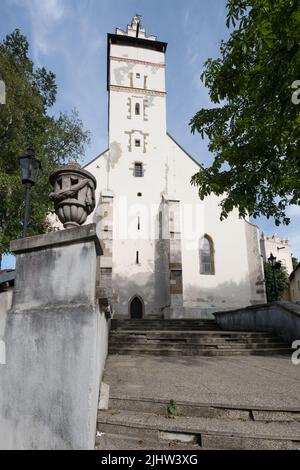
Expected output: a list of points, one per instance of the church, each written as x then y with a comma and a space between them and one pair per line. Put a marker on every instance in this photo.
166, 252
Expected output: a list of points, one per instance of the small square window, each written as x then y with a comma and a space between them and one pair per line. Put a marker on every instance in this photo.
137, 142
138, 75
138, 170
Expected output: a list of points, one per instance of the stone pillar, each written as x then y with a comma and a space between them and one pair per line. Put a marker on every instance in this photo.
56, 344
175, 309
106, 234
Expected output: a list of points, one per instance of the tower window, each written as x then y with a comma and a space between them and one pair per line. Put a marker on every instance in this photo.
137, 108
139, 224
137, 258
138, 169
137, 142
207, 265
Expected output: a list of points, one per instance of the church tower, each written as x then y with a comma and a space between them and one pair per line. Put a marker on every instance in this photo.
136, 165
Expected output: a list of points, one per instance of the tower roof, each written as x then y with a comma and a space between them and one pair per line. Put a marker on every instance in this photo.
135, 36
135, 30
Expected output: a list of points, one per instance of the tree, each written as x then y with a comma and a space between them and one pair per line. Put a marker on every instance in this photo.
281, 280
24, 122
295, 262
254, 131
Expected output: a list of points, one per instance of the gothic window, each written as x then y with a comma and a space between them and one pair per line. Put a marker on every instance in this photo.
207, 265
137, 109
138, 169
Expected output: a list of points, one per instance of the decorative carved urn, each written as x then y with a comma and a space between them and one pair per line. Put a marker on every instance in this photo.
73, 195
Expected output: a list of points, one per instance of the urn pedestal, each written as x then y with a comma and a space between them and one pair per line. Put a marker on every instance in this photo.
73, 195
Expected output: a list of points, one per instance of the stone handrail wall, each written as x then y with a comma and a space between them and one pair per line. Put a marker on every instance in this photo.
281, 318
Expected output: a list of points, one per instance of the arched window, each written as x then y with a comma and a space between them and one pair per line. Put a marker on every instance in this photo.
206, 252
137, 108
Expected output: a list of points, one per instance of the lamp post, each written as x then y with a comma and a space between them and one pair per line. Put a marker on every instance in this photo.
30, 167
272, 261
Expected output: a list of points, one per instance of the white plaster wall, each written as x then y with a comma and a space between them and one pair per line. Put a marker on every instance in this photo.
230, 284
168, 170
279, 248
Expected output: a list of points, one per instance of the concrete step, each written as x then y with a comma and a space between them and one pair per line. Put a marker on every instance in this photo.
204, 410
164, 324
183, 346
193, 333
166, 341
108, 441
143, 350
212, 433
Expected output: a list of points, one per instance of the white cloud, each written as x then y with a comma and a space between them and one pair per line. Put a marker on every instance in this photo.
44, 16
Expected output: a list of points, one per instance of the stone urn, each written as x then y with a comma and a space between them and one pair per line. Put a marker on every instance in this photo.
73, 195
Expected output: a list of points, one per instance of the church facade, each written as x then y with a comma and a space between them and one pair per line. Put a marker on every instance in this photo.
166, 252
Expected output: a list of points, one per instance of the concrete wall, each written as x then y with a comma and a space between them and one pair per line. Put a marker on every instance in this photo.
295, 285
5, 305
281, 318
56, 344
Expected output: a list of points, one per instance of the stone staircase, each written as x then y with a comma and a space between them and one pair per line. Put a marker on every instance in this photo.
189, 337
150, 362
135, 423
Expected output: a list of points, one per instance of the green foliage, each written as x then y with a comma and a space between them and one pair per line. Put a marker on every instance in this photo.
295, 262
254, 131
172, 409
281, 279
24, 121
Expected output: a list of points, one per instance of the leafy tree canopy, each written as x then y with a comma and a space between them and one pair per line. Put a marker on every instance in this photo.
275, 292
24, 122
254, 129
295, 262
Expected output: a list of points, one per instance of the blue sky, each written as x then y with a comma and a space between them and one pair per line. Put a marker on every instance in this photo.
68, 37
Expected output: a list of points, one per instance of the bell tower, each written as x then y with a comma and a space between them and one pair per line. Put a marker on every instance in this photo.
137, 96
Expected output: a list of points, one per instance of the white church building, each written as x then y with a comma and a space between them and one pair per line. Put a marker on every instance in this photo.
166, 252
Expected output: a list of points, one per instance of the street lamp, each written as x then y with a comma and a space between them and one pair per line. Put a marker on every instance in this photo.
275, 265
30, 167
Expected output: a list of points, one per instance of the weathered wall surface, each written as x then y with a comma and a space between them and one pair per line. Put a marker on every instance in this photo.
295, 285
281, 318
56, 344
278, 247
137, 82
255, 264
5, 305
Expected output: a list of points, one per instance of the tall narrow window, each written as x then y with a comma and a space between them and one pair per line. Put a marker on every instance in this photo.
207, 265
138, 169
137, 259
139, 223
137, 108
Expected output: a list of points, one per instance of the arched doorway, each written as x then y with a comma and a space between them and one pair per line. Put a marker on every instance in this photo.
136, 308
